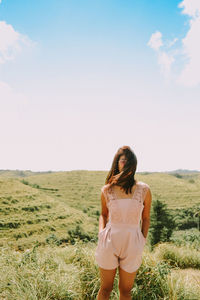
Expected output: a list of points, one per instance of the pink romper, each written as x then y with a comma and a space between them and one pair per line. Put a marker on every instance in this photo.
121, 242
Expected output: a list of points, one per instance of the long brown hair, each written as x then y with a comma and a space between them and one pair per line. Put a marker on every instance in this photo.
126, 178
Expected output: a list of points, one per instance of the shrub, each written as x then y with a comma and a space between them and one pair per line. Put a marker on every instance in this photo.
162, 223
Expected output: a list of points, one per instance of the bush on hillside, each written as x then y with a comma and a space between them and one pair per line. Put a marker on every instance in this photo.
187, 237
184, 217
162, 223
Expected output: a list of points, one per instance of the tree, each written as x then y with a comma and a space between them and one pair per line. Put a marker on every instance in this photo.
162, 223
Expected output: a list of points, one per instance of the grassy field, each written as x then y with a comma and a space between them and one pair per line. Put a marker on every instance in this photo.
43, 214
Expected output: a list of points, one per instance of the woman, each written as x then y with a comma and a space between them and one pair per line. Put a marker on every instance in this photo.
125, 202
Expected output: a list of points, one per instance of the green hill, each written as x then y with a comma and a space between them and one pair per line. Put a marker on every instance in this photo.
19, 173
29, 214
43, 215
49, 206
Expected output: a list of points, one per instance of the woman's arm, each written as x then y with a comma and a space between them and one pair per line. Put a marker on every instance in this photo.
104, 213
146, 213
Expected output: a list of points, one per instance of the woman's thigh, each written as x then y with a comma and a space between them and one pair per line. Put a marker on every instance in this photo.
126, 280
107, 278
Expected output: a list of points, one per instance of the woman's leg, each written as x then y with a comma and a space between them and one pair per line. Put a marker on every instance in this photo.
107, 279
126, 281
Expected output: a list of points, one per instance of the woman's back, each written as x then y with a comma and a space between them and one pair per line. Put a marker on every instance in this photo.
122, 239
125, 208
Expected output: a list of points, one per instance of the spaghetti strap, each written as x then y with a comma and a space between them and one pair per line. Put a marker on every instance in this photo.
135, 191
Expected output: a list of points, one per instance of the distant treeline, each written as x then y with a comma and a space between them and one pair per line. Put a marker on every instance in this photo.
37, 186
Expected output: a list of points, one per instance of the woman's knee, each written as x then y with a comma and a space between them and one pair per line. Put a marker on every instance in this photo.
125, 291
106, 290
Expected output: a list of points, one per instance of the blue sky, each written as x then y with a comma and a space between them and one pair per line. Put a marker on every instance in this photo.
79, 79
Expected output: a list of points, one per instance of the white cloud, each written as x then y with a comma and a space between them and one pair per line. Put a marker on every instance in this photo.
11, 42
155, 41
191, 8
165, 59
190, 47
190, 75
171, 43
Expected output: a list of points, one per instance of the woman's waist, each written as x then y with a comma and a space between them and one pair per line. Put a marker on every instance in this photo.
122, 224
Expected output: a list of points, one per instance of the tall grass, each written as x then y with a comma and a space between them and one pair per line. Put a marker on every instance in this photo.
68, 273
184, 284
37, 275
178, 256
55, 211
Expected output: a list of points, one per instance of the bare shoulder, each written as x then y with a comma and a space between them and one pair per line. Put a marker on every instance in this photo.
104, 200
144, 185
147, 200
104, 189
146, 191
